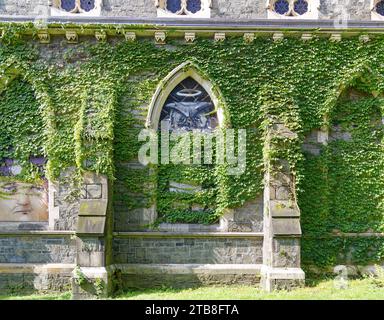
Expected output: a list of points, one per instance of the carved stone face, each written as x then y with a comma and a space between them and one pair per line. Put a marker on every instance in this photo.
23, 202
189, 107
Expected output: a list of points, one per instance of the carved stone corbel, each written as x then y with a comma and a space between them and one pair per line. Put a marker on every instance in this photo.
160, 37
219, 37
44, 37
190, 37
130, 36
71, 36
249, 37
101, 35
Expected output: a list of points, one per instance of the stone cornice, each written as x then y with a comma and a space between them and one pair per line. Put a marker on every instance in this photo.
196, 28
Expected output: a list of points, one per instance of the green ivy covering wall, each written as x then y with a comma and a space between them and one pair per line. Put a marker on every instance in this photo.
88, 95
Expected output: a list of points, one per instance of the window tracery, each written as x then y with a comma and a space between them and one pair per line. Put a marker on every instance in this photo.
82, 7
183, 8
300, 9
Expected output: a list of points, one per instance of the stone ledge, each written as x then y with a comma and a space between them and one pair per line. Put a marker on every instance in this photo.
54, 268
188, 235
28, 233
183, 227
253, 269
283, 273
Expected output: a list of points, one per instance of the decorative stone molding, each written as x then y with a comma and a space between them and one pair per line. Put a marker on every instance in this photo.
101, 35
249, 37
59, 9
160, 37
278, 36
44, 37
130, 36
335, 37
219, 37
293, 9
190, 37
185, 9
72, 36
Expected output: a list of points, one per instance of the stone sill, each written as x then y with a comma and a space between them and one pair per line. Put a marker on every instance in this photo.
215, 269
47, 233
6, 268
328, 24
184, 227
189, 235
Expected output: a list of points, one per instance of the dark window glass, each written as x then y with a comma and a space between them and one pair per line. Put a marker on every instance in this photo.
281, 6
87, 5
173, 5
194, 5
68, 5
300, 7
189, 107
380, 8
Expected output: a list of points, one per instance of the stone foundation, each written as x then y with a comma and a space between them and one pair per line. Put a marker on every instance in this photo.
138, 276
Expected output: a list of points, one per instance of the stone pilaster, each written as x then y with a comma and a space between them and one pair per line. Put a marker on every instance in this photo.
282, 230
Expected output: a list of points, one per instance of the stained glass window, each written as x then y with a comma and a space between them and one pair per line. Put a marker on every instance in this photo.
380, 8
194, 5
281, 6
174, 5
189, 107
300, 7
87, 5
68, 5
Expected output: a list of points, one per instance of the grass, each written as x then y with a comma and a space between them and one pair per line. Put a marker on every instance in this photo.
61, 296
362, 289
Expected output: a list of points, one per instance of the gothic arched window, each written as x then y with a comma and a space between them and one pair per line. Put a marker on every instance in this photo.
189, 107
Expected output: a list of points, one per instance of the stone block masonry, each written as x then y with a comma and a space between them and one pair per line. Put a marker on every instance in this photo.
33, 249
187, 251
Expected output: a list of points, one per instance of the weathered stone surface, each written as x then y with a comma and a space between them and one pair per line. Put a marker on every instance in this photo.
286, 227
90, 252
94, 191
34, 249
184, 251
132, 276
91, 225
286, 253
248, 218
283, 208
93, 207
